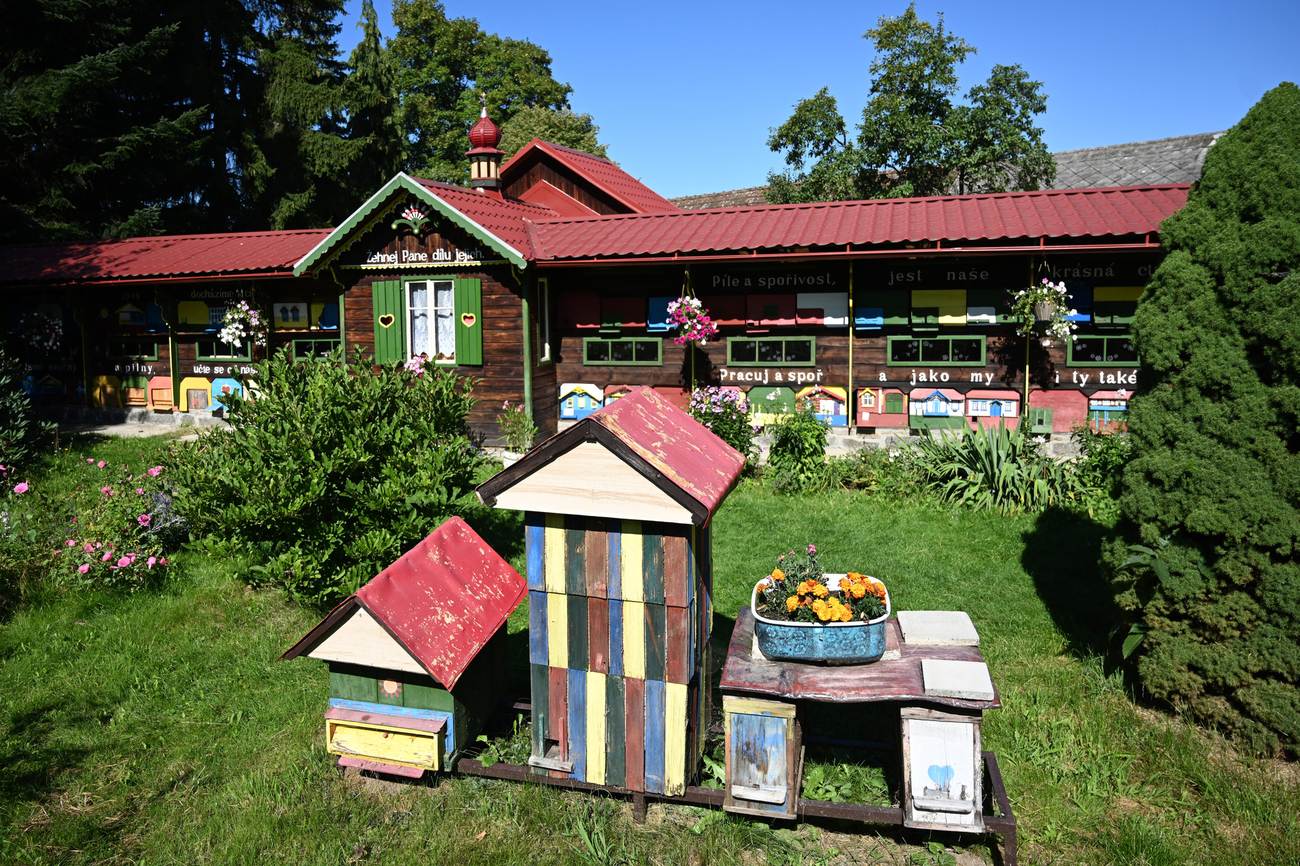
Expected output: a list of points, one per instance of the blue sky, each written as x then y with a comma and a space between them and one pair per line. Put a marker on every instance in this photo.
686, 92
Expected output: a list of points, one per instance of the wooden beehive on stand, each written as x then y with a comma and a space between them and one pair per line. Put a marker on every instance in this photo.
416, 655
618, 509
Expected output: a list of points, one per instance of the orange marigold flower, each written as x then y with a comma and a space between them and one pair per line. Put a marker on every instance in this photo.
846, 615
820, 590
858, 590
778, 574
854, 576
791, 603
822, 610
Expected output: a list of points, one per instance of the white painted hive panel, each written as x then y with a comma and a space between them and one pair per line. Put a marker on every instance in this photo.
945, 678
938, 628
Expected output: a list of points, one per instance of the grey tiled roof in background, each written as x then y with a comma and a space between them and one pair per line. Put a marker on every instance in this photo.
1140, 163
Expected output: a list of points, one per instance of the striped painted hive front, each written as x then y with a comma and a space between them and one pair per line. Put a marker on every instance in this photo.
619, 622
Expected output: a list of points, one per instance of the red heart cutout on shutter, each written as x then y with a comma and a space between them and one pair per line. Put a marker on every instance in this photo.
386, 320
468, 319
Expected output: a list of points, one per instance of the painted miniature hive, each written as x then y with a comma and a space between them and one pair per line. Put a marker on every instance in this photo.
415, 655
617, 512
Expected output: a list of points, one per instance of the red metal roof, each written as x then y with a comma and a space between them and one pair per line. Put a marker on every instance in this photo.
445, 598
501, 217
601, 172
1068, 213
235, 253
688, 454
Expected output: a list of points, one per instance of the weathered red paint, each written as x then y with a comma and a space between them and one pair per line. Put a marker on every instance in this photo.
685, 451
445, 598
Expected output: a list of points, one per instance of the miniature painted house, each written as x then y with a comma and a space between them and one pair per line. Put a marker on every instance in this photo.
881, 408
933, 408
620, 576
993, 408
1108, 411
415, 656
577, 400
829, 404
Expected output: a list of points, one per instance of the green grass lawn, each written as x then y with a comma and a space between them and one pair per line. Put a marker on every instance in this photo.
159, 728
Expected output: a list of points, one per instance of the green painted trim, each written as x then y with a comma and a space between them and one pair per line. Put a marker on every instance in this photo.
658, 341
173, 363
343, 324
247, 356
811, 362
404, 182
921, 362
1069, 351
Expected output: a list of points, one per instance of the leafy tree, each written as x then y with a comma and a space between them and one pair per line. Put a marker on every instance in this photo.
442, 65
558, 126
913, 139
86, 109
371, 100
1207, 566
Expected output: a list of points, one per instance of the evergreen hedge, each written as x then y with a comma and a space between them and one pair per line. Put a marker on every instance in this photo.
1207, 562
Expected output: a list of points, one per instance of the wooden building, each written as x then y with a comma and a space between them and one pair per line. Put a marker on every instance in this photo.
548, 280
416, 655
620, 578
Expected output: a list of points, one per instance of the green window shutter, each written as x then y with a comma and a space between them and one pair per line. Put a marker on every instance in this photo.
390, 321
469, 321
893, 404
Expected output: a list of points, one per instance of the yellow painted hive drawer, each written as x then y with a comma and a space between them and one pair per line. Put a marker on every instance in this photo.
384, 743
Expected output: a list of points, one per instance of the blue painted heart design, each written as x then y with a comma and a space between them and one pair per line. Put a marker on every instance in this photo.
941, 776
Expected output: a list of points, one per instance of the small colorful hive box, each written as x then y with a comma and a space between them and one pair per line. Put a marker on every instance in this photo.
617, 512
416, 655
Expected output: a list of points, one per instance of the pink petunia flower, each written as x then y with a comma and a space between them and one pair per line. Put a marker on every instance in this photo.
151, 561
162, 561
106, 490
21, 487
812, 550
124, 562
155, 471
90, 460
83, 568
139, 491
101, 464
88, 547
71, 542
106, 557
144, 519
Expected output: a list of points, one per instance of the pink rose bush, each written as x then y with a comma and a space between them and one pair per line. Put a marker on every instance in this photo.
92, 534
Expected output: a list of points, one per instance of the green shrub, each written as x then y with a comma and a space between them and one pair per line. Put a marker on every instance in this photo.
517, 427
1100, 469
873, 470
797, 459
992, 468
331, 471
726, 413
87, 522
21, 433
1213, 489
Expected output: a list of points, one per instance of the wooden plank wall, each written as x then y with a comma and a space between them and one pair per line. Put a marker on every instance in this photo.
614, 615
542, 168
500, 378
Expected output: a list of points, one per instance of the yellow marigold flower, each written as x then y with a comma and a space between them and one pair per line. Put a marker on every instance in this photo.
820, 590
846, 615
791, 603
822, 610
778, 574
854, 576
857, 590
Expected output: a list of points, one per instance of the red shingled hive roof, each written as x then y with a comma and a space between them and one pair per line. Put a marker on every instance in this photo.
502, 217
442, 600
686, 452
998, 216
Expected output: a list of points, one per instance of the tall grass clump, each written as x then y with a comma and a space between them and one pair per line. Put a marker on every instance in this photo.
992, 468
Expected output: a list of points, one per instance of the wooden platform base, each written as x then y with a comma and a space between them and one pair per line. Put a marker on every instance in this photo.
999, 821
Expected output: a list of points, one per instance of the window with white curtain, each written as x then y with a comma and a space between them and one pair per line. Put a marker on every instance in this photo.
431, 318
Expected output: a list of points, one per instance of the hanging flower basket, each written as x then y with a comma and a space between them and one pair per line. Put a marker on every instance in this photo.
693, 322
807, 616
